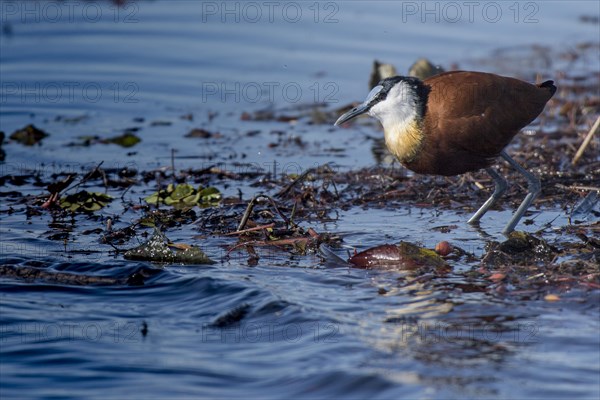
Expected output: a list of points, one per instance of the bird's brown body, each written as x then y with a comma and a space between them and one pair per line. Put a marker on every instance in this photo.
468, 119
457, 122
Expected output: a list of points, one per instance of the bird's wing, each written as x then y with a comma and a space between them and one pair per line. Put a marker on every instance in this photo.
480, 112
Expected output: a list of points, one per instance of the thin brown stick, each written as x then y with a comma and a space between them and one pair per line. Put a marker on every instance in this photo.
85, 178
173, 165
247, 213
256, 228
313, 234
586, 141
276, 243
282, 215
250, 207
293, 214
104, 180
299, 179
577, 188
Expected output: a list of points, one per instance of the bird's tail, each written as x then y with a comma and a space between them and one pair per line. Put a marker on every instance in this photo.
548, 85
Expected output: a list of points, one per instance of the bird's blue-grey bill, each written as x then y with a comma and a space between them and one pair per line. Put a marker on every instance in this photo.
355, 112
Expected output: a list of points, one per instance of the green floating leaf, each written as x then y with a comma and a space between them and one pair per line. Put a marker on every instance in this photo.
193, 255
185, 196
85, 201
127, 139
210, 194
157, 249
153, 198
182, 191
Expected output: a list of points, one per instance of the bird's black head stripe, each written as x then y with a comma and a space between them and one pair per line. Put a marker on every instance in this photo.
419, 88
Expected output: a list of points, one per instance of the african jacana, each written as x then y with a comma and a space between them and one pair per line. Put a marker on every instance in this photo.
457, 122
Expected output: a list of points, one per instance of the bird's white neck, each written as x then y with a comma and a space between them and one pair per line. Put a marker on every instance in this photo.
401, 120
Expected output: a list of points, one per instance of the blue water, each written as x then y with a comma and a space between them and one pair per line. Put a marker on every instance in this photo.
310, 329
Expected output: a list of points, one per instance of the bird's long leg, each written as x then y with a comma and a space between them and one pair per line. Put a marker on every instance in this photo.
534, 186
498, 191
